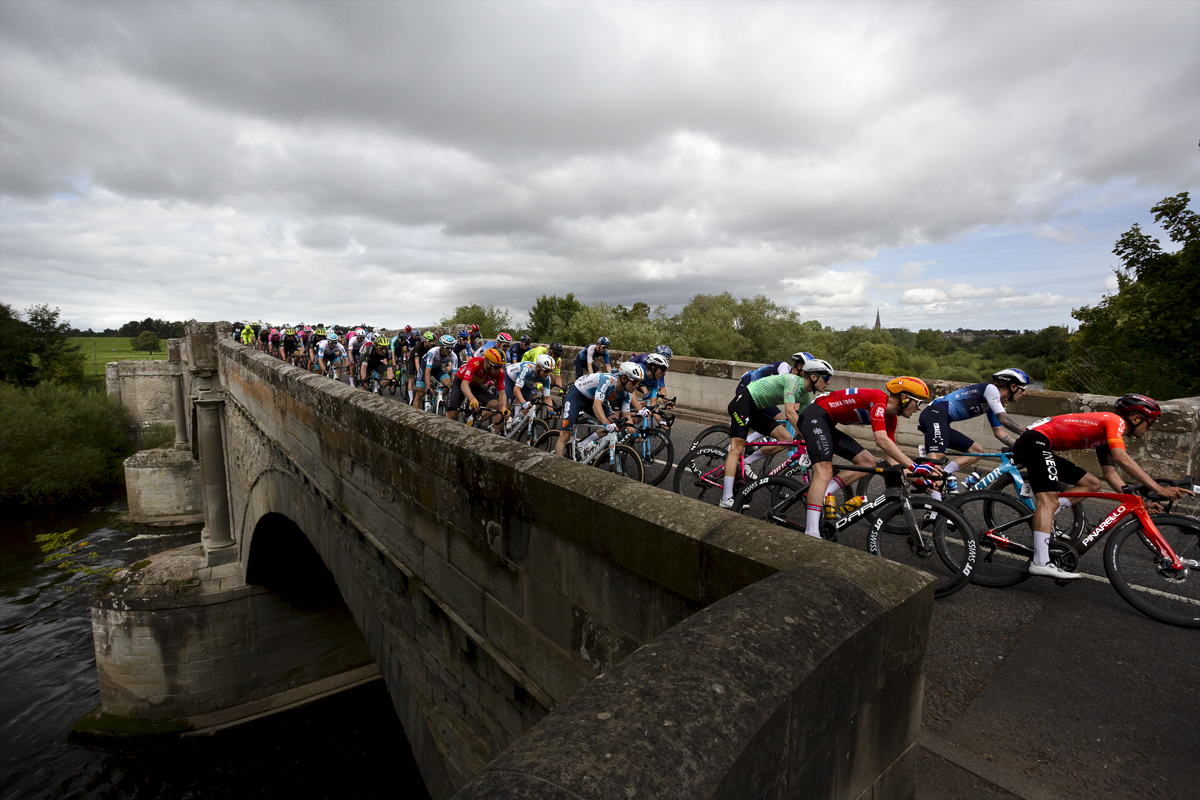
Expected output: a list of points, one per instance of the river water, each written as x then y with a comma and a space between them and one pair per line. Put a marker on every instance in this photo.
349, 746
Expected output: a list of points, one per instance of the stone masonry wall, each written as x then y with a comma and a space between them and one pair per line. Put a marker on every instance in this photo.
492, 582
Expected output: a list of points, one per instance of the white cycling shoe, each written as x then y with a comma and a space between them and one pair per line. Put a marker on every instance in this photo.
725, 503
1051, 571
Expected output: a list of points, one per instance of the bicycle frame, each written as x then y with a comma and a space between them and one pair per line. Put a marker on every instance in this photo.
1007, 467
716, 475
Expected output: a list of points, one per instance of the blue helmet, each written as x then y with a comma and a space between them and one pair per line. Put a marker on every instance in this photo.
416, 333
604, 341
1011, 375
663, 351
463, 334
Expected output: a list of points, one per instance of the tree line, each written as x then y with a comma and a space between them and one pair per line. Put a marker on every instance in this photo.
161, 328
1142, 338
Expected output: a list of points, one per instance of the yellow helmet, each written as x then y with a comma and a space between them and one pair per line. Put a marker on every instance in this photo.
913, 387
493, 355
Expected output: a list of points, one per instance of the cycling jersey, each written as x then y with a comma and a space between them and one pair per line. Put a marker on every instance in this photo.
290, 342
860, 407
473, 371
776, 389
649, 385
605, 385
515, 352
1083, 431
439, 364
525, 372
775, 368
375, 356
972, 401
533, 353
586, 356
330, 352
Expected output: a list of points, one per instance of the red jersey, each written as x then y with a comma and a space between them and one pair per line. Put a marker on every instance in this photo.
860, 407
1083, 431
473, 371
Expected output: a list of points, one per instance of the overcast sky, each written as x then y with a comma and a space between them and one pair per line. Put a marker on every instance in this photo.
950, 164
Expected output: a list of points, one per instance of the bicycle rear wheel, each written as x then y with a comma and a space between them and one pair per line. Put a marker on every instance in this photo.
777, 500
1004, 559
701, 475
547, 442
627, 464
712, 436
938, 541
1146, 580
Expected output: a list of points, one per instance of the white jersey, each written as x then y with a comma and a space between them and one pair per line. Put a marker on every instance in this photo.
328, 351
525, 372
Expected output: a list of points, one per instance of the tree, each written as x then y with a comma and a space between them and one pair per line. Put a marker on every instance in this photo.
146, 341
58, 361
1143, 338
16, 349
551, 316
491, 320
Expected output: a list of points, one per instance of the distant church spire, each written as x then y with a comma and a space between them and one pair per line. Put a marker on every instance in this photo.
877, 319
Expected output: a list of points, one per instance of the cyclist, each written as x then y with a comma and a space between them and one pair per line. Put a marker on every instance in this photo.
603, 389
555, 351
264, 337
440, 364
655, 366
463, 348
425, 342
332, 352
314, 344
1133, 415
529, 376
585, 358
755, 406
480, 382
517, 350
248, 335
289, 343
375, 359
875, 407
971, 401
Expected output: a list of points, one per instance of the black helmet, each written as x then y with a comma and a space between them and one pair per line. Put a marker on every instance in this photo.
556, 348
525, 340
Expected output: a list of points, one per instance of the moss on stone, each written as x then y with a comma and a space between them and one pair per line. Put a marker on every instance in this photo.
98, 725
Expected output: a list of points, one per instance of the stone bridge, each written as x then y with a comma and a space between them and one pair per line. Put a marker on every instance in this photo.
543, 629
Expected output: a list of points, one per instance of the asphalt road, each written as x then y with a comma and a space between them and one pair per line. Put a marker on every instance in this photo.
1041, 691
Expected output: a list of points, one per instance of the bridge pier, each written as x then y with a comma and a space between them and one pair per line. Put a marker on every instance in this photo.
209, 402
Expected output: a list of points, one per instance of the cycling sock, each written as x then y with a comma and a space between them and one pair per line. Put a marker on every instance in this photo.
1041, 548
835, 485
950, 467
755, 456
727, 493
936, 495
812, 521
754, 437
590, 439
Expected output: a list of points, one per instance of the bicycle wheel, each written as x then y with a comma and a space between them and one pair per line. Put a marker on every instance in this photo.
713, 436
777, 500
532, 432
628, 464
657, 454
701, 475
1066, 523
940, 542
547, 442
1146, 580
1002, 560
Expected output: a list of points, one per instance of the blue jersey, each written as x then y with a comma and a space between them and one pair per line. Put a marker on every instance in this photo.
605, 385
649, 385
971, 401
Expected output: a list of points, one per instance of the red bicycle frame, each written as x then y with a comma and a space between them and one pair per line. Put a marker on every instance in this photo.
1128, 504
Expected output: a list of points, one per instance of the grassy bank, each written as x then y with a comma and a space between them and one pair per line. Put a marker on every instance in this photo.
99, 350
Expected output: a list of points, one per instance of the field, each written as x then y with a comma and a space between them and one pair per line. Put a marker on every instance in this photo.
111, 349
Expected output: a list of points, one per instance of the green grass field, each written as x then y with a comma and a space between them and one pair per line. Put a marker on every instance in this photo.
111, 349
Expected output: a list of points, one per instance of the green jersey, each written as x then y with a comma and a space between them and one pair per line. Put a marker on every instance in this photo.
775, 390
534, 352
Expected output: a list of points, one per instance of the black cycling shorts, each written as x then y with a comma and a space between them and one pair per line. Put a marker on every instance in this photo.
482, 394
744, 415
934, 422
822, 438
1046, 470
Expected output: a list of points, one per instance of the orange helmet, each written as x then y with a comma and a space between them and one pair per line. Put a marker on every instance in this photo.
913, 387
493, 355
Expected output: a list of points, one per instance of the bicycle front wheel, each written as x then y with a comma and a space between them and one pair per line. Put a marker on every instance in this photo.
778, 500
627, 463
1004, 527
701, 475
657, 454
1146, 580
712, 436
938, 540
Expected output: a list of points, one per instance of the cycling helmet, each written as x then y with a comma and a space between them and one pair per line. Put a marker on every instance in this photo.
493, 355
382, 340
289, 331
463, 334
319, 331
544, 362
603, 341
912, 387
1011, 375
333, 337
525, 340
664, 351
408, 328
360, 333
417, 333
817, 365
503, 337
556, 348
474, 329
655, 360
802, 357
428, 336
633, 371
1138, 404
446, 341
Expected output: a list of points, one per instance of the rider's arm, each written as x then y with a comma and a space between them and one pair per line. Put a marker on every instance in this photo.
891, 451
467, 393
792, 412
1126, 462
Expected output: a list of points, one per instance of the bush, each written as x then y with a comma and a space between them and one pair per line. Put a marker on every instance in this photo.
60, 443
157, 436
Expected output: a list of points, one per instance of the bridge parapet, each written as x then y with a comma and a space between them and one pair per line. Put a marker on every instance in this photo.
493, 582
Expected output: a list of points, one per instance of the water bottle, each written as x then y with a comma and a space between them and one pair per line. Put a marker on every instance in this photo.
971, 480
951, 484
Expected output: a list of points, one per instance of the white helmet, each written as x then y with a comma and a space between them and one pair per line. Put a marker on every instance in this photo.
818, 365
655, 360
633, 371
544, 361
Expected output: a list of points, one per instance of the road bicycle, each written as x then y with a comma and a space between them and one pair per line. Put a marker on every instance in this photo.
928, 535
652, 440
701, 473
524, 426
1151, 561
605, 452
